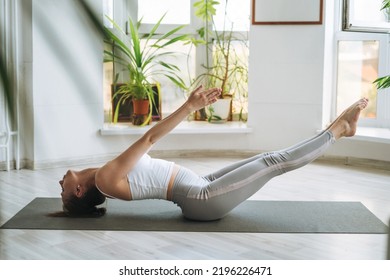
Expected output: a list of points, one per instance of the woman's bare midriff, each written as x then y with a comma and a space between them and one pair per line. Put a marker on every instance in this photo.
171, 181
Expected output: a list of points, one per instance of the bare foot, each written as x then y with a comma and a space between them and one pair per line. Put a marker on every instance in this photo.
345, 124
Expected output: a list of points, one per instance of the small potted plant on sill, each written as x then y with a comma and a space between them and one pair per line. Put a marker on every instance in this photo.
224, 66
143, 62
140, 94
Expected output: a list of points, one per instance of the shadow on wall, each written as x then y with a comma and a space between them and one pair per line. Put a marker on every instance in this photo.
7, 68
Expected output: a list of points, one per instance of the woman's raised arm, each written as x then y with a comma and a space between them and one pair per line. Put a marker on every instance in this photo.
113, 174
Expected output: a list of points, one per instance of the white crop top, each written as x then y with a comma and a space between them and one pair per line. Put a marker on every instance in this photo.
150, 177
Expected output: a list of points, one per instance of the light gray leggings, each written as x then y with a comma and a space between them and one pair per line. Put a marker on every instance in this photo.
213, 196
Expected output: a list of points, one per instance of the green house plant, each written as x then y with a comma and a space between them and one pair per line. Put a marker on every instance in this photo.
224, 67
382, 82
144, 60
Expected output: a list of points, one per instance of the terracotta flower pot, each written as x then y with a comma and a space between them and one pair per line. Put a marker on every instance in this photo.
141, 112
141, 106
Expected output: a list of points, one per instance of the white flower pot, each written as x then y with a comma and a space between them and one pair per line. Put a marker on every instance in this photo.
219, 111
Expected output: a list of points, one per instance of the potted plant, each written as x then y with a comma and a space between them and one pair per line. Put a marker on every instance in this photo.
143, 61
224, 66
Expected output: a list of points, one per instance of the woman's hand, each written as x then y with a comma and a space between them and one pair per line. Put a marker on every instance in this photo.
200, 98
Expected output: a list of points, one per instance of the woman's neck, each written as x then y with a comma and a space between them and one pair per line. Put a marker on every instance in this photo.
87, 176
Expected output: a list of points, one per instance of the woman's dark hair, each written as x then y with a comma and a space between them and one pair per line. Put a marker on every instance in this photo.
84, 206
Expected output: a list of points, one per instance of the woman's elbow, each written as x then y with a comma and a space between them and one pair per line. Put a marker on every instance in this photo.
149, 138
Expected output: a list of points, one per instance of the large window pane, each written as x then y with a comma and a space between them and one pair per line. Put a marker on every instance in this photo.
366, 15
172, 95
357, 69
367, 11
108, 79
238, 81
238, 15
108, 70
108, 11
178, 11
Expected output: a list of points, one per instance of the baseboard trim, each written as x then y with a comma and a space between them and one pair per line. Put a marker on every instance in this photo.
356, 162
48, 164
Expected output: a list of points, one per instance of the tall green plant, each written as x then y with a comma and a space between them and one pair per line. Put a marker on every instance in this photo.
143, 60
224, 67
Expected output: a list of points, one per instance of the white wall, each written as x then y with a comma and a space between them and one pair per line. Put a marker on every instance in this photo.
286, 93
286, 70
67, 82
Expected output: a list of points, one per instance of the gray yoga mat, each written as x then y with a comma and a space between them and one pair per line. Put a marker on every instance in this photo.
250, 216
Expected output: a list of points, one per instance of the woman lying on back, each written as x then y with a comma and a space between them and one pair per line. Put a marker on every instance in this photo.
134, 175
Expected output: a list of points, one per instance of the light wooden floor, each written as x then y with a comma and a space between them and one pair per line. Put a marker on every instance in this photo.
317, 181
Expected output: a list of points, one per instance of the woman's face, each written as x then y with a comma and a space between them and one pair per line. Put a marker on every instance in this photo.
69, 184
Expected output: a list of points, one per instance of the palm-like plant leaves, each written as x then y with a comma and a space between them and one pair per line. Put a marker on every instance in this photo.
141, 59
385, 4
383, 82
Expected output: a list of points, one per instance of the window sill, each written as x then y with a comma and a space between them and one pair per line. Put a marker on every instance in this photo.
185, 127
372, 134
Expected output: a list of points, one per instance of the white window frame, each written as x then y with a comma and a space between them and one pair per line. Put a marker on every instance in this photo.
382, 119
352, 24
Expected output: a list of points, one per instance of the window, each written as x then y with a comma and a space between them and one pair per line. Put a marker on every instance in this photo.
181, 12
189, 59
237, 20
365, 15
173, 97
362, 56
357, 68
108, 75
108, 8
177, 12
238, 15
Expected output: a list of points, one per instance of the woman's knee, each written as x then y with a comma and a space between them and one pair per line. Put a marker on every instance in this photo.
275, 158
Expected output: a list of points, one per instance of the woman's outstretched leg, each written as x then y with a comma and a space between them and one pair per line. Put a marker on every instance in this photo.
217, 174
229, 189
360, 105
